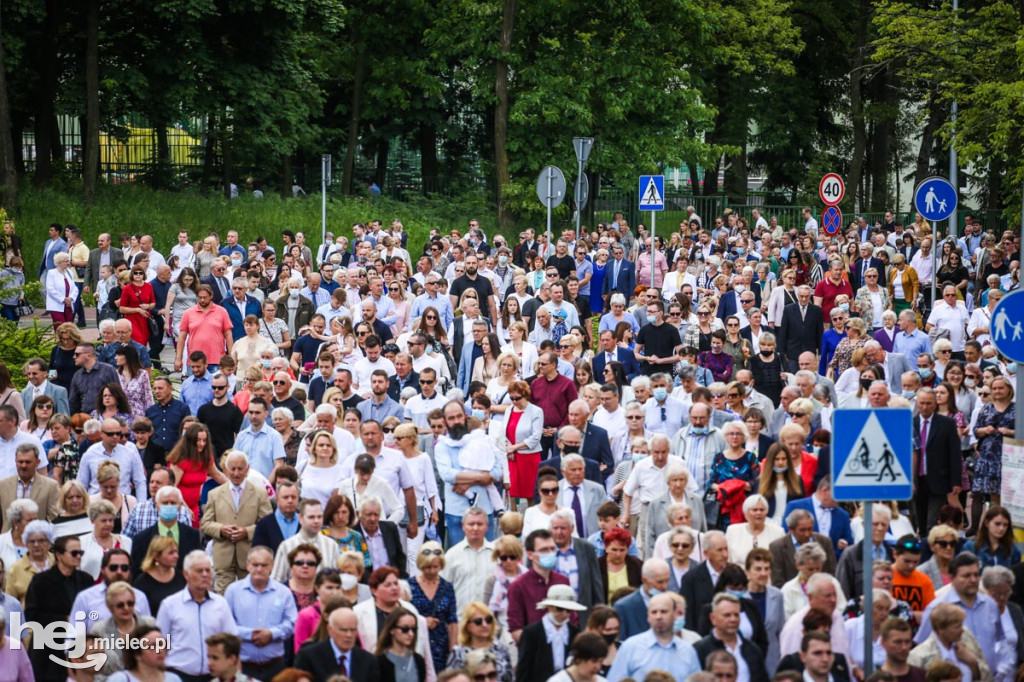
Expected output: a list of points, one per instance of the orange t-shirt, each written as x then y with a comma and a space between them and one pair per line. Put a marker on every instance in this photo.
915, 589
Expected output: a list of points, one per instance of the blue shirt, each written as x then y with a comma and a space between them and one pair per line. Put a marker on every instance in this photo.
188, 623
640, 654
272, 609
228, 250
982, 621
288, 528
167, 422
197, 391
442, 304
597, 540
370, 409
446, 457
263, 447
911, 345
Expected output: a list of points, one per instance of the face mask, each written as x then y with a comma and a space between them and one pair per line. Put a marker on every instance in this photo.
739, 594
637, 457
866, 384
389, 439
684, 363
330, 241
818, 245
235, 262
845, 307
739, 288
740, 251
168, 512
679, 624
780, 470
547, 561
348, 581
969, 382
266, 364
766, 353
293, 293
502, 259
908, 394
1011, 367
925, 373
610, 639
570, 449
699, 430
660, 394
479, 414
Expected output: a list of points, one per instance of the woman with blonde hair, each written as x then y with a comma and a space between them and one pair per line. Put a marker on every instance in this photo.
856, 337
525, 352
849, 381
108, 476
103, 538
124, 618
160, 577
508, 565
498, 387
478, 640
73, 516
319, 478
903, 284
434, 597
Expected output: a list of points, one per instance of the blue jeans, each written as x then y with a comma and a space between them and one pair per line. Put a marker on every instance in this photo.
9, 312
453, 529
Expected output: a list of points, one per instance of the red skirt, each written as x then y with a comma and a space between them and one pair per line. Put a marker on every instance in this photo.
522, 473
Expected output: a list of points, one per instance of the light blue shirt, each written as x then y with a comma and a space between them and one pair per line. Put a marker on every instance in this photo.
911, 345
132, 470
673, 420
442, 304
188, 623
640, 654
582, 270
264, 447
385, 309
982, 621
196, 392
288, 528
320, 298
446, 457
272, 609
371, 409
94, 601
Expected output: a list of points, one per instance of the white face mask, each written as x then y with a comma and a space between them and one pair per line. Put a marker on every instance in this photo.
348, 581
293, 293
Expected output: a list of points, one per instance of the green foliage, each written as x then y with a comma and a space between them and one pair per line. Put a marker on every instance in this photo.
18, 345
128, 208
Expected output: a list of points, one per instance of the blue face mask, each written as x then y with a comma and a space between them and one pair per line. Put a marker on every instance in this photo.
547, 561
679, 624
699, 430
925, 373
780, 470
1011, 367
740, 250
479, 414
739, 594
908, 394
637, 457
845, 307
265, 363
168, 512
660, 394
654, 592
818, 245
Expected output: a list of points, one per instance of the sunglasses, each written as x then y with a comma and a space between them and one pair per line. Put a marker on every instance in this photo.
946, 544
122, 604
796, 415
304, 562
280, 383
484, 677
405, 629
681, 545
124, 568
426, 382
508, 557
112, 435
431, 552
432, 317
548, 491
76, 553
388, 430
485, 620
219, 388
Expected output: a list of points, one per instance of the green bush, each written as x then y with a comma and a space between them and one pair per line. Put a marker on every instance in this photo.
133, 208
18, 345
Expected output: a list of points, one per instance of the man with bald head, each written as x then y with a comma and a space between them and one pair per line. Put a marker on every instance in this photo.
878, 395
123, 334
594, 443
111, 447
809, 361
339, 653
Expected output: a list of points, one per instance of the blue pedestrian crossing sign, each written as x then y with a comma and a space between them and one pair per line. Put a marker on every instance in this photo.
652, 192
872, 454
1008, 326
935, 199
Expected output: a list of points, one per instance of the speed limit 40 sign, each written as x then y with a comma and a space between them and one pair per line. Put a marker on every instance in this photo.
832, 189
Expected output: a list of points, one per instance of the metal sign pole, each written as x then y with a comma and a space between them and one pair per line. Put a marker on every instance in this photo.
1018, 421
652, 251
551, 177
935, 248
866, 558
579, 193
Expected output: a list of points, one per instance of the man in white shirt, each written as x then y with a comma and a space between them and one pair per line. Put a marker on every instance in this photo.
811, 225
468, 564
557, 305
155, 259
950, 314
364, 367
645, 483
922, 263
663, 413
418, 407
612, 418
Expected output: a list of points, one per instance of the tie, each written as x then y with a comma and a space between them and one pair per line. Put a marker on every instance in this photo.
923, 468
615, 274
611, 358
577, 509
803, 313
236, 493
220, 285
341, 665
864, 274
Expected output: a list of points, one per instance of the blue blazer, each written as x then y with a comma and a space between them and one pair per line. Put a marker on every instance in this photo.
623, 355
252, 307
58, 393
632, 615
58, 246
627, 278
728, 305
268, 533
840, 529
597, 447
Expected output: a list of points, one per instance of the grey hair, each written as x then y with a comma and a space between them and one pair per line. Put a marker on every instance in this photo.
878, 594
566, 514
235, 454
690, 371
641, 381
652, 566
673, 508
105, 325
817, 581
617, 299
286, 413
370, 499
573, 458
194, 557
166, 490
710, 537
994, 576
18, 509
752, 501
810, 551
674, 468
767, 336
37, 527
881, 510
566, 430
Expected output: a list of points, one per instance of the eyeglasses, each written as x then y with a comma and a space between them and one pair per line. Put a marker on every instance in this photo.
47, 406
112, 435
218, 388
634, 416
717, 395
796, 415
548, 491
405, 629
304, 562
432, 317
702, 313
733, 324
946, 350
431, 552
682, 545
551, 275
388, 430
515, 398
427, 382
280, 383
508, 557
485, 620
123, 435
733, 395
362, 333
565, 347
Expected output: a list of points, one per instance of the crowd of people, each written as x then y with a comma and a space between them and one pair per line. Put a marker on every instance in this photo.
603, 457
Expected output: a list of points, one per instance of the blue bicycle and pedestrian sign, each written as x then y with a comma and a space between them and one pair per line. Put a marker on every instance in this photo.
1008, 326
872, 454
935, 199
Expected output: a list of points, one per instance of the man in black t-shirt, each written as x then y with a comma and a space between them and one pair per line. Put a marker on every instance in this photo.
562, 261
283, 396
657, 344
343, 382
482, 286
221, 416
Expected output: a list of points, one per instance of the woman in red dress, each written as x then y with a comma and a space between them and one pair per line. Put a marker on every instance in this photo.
137, 300
523, 426
192, 461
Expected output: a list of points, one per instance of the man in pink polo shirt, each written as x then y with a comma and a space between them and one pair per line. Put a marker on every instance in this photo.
206, 327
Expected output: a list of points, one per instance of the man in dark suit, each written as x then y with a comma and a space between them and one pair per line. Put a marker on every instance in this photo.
866, 262
850, 570
568, 441
800, 329
539, 660
610, 352
620, 274
403, 377
376, 531
725, 625
270, 529
632, 610
219, 281
698, 585
729, 304
239, 306
801, 531
104, 253
586, 581
937, 463
827, 514
188, 537
594, 444
339, 655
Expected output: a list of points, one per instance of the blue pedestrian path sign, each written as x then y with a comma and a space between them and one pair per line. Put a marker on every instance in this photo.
935, 199
1008, 326
652, 192
872, 454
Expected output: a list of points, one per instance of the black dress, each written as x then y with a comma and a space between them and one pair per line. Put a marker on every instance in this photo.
768, 377
157, 591
63, 362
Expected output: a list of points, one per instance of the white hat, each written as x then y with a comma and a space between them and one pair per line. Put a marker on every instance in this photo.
562, 597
